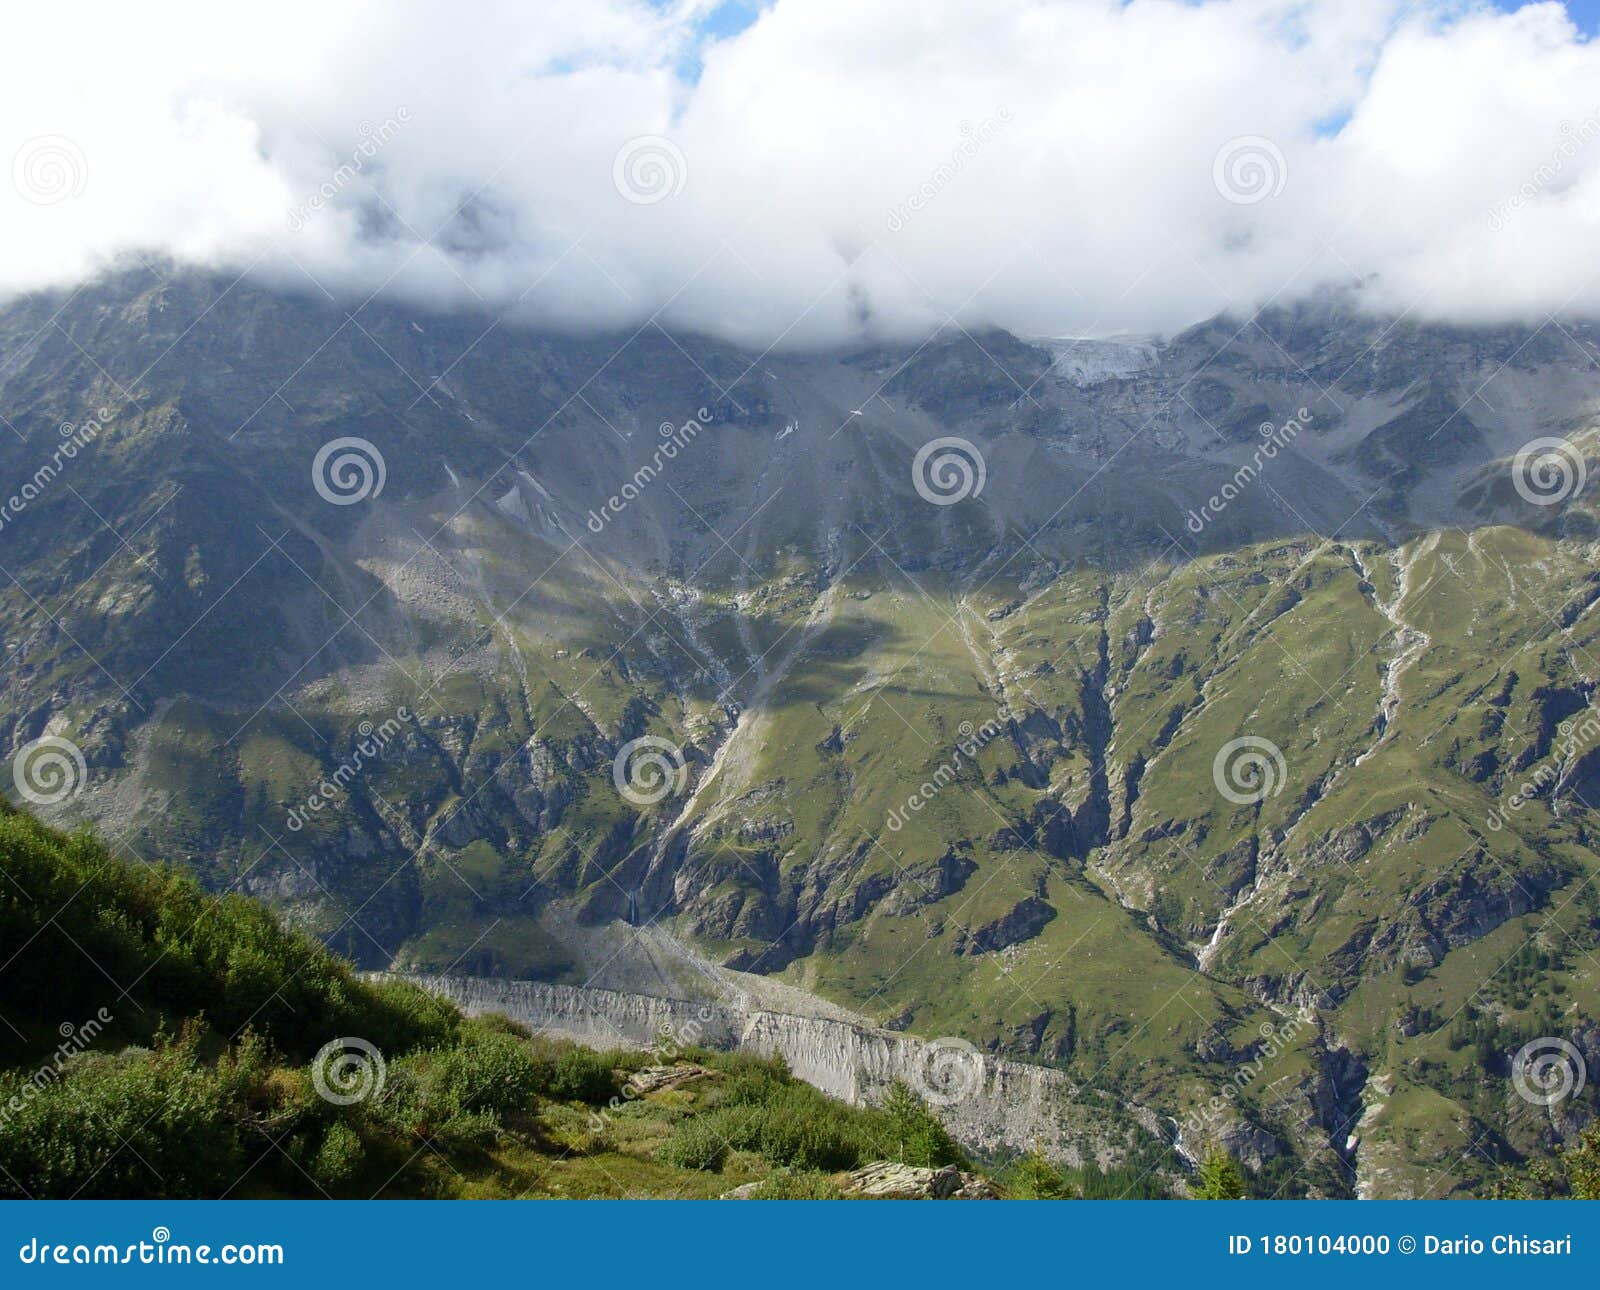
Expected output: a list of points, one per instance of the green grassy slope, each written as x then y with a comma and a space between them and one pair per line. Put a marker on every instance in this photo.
201, 1069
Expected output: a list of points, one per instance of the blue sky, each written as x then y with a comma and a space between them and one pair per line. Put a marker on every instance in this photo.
734, 16
1586, 13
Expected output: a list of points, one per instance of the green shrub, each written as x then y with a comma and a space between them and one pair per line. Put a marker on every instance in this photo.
460, 1093
1219, 1178
494, 1073
694, 1144
583, 1075
140, 1123
339, 1156
189, 952
1120, 1182
799, 1128
749, 1081
914, 1135
789, 1185
1033, 1177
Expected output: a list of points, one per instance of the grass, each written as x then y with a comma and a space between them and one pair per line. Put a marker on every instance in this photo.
1374, 861
212, 1074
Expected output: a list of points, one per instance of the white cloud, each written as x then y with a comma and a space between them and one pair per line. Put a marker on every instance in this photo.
849, 168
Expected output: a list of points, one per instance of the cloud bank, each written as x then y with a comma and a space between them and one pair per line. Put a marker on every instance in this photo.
833, 171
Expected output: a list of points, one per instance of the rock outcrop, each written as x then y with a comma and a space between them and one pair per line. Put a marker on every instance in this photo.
890, 1180
992, 1106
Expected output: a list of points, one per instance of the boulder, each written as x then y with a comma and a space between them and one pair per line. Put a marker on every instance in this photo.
889, 1180
655, 1079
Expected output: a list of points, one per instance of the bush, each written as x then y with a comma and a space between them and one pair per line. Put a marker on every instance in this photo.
914, 1135
459, 1093
799, 1128
494, 1073
189, 952
1219, 1178
339, 1156
1033, 1177
140, 1123
749, 1081
787, 1185
582, 1075
694, 1144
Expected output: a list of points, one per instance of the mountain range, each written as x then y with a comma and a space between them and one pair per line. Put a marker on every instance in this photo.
1207, 717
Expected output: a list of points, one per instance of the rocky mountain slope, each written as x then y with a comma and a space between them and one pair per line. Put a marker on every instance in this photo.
1208, 718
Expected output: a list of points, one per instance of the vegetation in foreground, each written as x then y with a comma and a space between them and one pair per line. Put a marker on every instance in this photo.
215, 1060
198, 1072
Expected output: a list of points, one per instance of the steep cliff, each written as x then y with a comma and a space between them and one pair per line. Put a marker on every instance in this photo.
994, 1106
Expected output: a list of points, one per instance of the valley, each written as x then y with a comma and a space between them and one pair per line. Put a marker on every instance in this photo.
1180, 815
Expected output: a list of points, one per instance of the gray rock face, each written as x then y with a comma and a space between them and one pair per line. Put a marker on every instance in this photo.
991, 1106
890, 1180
